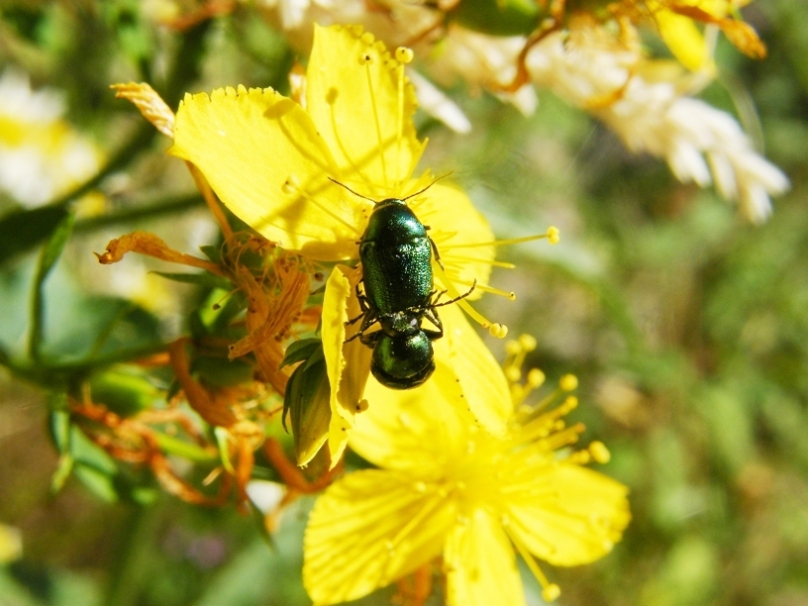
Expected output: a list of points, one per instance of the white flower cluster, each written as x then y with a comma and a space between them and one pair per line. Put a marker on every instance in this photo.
41, 156
700, 143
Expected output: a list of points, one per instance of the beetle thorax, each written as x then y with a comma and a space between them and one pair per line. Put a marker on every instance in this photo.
401, 323
393, 222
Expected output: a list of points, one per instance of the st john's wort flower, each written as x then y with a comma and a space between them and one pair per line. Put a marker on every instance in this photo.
445, 488
304, 173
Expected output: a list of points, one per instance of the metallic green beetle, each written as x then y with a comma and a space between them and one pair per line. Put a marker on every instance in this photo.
396, 254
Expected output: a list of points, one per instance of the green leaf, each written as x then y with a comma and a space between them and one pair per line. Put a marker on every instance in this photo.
60, 423
86, 452
47, 259
21, 231
222, 443
125, 391
214, 253
181, 448
97, 481
63, 470
222, 372
300, 350
499, 17
307, 401
216, 313
205, 279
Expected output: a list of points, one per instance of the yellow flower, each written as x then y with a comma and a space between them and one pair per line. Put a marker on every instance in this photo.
676, 20
10, 543
444, 487
285, 167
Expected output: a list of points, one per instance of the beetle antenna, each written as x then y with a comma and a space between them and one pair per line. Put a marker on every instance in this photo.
456, 299
352, 191
426, 188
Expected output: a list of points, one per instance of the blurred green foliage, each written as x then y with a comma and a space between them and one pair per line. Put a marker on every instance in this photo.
687, 327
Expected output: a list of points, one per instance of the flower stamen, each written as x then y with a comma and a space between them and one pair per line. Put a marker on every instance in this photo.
503, 264
499, 331
292, 185
511, 296
550, 591
600, 454
399, 116
552, 235
380, 140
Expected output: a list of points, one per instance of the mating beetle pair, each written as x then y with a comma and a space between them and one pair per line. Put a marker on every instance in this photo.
396, 254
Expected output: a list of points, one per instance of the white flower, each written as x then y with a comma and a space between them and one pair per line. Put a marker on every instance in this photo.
438, 105
293, 13
700, 143
484, 62
41, 156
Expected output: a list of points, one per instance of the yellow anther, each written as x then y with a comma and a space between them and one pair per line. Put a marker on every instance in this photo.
551, 592
582, 457
528, 342
535, 377
513, 373
362, 405
368, 38
568, 383
500, 331
599, 452
365, 58
553, 235
404, 55
513, 348
571, 403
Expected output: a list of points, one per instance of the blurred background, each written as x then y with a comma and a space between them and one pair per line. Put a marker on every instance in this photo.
687, 326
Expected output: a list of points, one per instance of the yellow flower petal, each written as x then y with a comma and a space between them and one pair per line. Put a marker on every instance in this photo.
369, 529
415, 429
683, 39
715, 12
362, 105
568, 515
473, 380
348, 364
10, 543
263, 157
456, 225
480, 564
468, 386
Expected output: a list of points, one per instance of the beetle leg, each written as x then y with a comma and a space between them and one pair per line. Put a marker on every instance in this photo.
432, 315
369, 318
370, 339
355, 320
456, 299
363, 305
435, 250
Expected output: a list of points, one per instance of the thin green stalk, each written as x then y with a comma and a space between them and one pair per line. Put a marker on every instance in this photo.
142, 137
165, 206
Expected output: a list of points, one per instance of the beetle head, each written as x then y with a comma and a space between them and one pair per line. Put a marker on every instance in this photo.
402, 361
